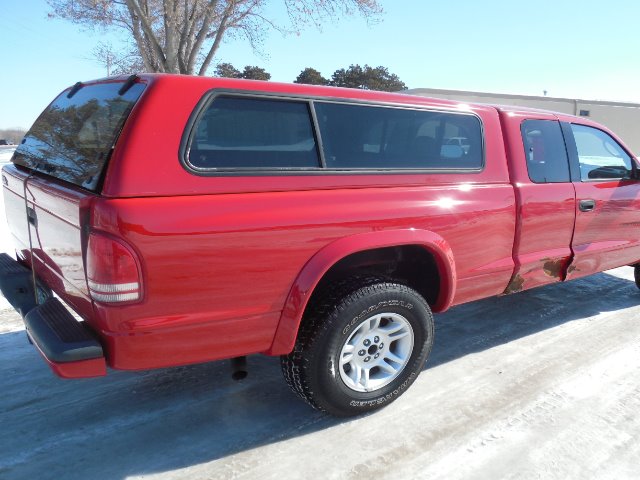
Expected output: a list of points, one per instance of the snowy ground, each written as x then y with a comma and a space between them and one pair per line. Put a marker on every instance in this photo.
541, 384
5, 153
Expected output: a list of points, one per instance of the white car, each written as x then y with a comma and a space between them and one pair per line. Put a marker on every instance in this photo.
462, 142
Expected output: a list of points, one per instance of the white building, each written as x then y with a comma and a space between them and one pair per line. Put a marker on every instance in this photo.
621, 117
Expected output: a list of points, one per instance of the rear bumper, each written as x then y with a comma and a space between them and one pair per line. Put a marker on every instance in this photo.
68, 346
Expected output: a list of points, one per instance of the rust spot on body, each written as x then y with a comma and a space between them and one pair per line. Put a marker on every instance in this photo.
515, 285
553, 268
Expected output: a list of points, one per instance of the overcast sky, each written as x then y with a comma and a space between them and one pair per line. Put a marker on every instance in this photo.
570, 48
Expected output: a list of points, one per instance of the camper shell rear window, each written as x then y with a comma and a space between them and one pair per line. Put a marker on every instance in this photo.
73, 138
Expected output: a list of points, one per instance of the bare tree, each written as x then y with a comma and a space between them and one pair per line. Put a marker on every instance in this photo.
117, 62
106, 56
183, 36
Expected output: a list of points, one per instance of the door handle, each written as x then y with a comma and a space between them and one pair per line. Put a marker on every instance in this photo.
32, 217
587, 205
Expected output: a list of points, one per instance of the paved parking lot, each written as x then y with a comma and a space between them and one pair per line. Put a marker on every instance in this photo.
541, 384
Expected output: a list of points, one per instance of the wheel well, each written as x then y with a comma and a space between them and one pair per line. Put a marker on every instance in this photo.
411, 265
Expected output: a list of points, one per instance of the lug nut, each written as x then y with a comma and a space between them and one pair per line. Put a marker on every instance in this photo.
381, 346
367, 342
376, 339
366, 359
361, 353
376, 355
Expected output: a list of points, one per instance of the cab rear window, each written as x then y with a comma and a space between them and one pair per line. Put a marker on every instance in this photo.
73, 138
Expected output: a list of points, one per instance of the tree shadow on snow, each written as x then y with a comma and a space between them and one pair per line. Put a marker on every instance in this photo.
132, 423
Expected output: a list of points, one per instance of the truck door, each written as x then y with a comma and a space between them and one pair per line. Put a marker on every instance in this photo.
540, 172
607, 232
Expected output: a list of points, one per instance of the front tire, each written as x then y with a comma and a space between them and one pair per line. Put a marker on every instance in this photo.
360, 347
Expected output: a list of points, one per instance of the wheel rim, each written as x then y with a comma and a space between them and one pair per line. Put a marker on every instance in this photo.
376, 352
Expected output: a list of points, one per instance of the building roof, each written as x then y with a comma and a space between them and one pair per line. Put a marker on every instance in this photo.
425, 92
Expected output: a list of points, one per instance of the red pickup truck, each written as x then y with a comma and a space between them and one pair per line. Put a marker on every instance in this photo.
188, 219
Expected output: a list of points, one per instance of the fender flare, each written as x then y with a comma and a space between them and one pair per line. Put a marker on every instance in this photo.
313, 271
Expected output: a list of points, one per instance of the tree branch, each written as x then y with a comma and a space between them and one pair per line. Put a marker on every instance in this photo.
135, 9
203, 32
222, 28
170, 39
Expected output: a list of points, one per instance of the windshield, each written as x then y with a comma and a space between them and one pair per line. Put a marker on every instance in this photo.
73, 138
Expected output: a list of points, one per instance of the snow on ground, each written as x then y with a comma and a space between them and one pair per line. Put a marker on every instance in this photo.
5, 153
540, 384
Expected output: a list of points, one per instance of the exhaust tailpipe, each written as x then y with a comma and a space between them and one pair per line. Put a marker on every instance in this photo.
239, 368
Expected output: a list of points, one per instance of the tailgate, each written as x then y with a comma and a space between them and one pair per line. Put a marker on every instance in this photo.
51, 221
56, 174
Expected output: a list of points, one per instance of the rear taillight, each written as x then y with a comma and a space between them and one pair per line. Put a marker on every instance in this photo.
112, 271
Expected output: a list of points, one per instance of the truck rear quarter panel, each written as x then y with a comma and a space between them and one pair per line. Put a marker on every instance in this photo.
220, 254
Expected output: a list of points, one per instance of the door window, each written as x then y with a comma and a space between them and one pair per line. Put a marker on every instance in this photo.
600, 156
545, 151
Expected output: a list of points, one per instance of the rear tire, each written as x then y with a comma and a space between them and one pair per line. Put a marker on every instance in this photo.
360, 347
636, 275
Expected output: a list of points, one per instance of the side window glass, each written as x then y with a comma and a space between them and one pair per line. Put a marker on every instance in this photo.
242, 132
545, 151
372, 137
601, 157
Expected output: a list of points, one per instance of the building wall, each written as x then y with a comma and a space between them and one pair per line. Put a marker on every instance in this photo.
622, 118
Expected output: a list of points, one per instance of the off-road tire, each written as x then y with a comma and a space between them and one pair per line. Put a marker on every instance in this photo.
312, 368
